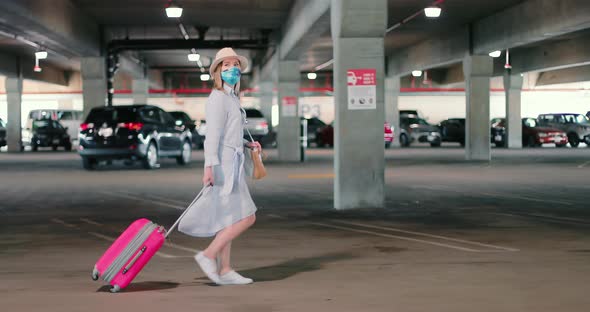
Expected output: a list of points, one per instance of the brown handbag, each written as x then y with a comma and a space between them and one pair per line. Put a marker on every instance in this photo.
258, 170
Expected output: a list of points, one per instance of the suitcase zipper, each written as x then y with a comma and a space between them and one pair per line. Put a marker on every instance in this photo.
128, 251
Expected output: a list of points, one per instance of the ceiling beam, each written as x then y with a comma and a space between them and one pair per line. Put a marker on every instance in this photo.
116, 46
529, 22
429, 54
22, 66
56, 24
568, 75
307, 21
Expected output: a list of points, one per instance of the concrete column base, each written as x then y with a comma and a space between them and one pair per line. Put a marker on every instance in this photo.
477, 69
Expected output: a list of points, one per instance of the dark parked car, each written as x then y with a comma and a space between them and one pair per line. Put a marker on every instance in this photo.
2, 133
418, 130
453, 130
325, 135
533, 135
182, 119
132, 132
47, 133
313, 125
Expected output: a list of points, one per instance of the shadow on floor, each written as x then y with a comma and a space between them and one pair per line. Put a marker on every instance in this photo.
292, 267
142, 286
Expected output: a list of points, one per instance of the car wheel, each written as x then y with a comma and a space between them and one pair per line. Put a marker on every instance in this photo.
435, 144
34, 147
531, 142
573, 139
89, 163
185, 157
54, 147
319, 142
462, 142
68, 146
404, 141
151, 158
560, 145
387, 144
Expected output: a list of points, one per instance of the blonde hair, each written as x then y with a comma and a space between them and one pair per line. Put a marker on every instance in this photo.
218, 82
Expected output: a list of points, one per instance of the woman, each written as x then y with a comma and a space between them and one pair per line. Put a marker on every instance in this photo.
226, 209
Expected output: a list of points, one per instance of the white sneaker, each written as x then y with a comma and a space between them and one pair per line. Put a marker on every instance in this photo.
233, 278
208, 266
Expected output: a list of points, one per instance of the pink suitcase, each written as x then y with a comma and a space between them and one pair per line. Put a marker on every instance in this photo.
132, 250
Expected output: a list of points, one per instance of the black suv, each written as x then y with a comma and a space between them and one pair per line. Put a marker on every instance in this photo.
182, 119
132, 132
2, 133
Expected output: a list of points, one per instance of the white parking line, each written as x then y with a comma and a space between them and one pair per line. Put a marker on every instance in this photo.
427, 235
584, 164
396, 237
542, 217
90, 222
112, 239
62, 222
560, 202
159, 202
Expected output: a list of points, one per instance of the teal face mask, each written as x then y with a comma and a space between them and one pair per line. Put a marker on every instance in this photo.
231, 76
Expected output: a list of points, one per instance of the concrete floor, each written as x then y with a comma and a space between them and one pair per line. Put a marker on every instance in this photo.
510, 235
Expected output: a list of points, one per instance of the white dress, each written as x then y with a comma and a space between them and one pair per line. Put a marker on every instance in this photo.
228, 200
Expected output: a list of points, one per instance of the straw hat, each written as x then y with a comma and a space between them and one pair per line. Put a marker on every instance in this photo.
224, 54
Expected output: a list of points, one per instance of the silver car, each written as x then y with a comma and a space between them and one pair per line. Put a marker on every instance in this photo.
257, 124
577, 126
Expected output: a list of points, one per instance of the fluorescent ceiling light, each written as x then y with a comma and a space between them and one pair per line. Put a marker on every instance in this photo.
417, 73
194, 57
41, 55
205, 77
432, 11
495, 53
312, 76
173, 10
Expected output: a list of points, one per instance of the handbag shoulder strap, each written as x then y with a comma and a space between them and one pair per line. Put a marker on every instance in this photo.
246, 121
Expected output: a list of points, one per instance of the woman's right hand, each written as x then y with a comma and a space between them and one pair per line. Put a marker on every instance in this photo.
208, 176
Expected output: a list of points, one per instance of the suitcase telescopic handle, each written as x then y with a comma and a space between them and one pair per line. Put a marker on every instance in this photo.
132, 262
185, 212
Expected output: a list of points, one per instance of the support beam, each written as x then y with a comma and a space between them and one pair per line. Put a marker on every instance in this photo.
358, 29
307, 21
14, 90
392, 90
477, 69
288, 134
513, 87
94, 83
50, 73
140, 89
568, 75
266, 100
529, 22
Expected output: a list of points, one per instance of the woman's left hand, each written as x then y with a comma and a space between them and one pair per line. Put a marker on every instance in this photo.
254, 145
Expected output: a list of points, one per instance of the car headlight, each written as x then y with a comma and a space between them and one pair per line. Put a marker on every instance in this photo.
542, 134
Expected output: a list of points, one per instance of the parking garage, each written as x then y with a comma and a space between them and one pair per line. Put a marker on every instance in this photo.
478, 201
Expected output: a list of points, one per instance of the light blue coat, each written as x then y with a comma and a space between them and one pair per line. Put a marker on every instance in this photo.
229, 200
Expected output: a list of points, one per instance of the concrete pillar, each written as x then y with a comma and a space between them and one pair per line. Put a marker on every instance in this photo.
140, 89
358, 29
513, 89
266, 99
94, 83
288, 133
477, 69
14, 90
392, 90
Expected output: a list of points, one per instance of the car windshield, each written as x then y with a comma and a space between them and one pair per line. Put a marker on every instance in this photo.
181, 116
419, 121
40, 124
582, 119
253, 113
115, 114
530, 122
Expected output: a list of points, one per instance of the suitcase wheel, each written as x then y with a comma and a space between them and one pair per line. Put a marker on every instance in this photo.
115, 289
95, 274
